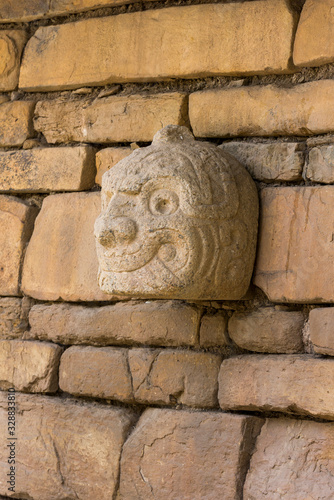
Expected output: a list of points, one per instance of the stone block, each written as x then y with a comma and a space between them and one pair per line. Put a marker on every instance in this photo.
16, 222
41, 170
29, 366
293, 459
161, 44
268, 330
100, 372
320, 165
13, 317
11, 46
175, 377
110, 119
16, 122
60, 261
64, 448
277, 161
213, 330
303, 110
289, 383
321, 330
164, 323
296, 244
188, 455
107, 158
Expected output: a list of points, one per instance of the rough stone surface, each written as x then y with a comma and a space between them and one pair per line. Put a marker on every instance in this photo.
13, 317
111, 119
41, 170
163, 323
278, 161
61, 257
296, 244
16, 122
178, 220
107, 158
303, 110
268, 330
321, 331
64, 449
11, 47
320, 165
16, 222
29, 366
293, 459
101, 372
175, 377
298, 384
311, 50
188, 455
162, 44
213, 331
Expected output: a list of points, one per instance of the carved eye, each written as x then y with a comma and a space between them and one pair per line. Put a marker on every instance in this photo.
163, 202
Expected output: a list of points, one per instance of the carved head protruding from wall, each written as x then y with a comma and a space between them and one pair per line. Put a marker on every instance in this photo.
179, 220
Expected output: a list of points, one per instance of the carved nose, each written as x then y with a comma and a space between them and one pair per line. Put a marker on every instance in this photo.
115, 231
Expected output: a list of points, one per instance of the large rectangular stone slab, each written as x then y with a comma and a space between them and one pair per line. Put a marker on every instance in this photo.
188, 455
13, 317
296, 252
11, 46
303, 110
16, 122
177, 42
321, 330
297, 384
61, 259
41, 170
64, 449
110, 119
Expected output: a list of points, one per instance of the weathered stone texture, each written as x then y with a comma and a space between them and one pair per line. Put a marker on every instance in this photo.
321, 331
164, 323
320, 165
111, 119
162, 44
29, 366
182, 454
61, 258
11, 46
170, 377
107, 158
16, 222
16, 122
278, 161
13, 317
293, 459
298, 384
268, 330
213, 331
41, 170
296, 244
306, 109
64, 449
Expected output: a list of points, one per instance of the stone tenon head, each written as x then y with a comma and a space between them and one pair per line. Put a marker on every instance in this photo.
179, 220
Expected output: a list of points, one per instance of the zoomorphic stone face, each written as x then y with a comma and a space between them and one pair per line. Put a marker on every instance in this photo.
179, 220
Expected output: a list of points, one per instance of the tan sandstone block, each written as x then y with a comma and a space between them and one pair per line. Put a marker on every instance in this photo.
61, 257
11, 46
321, 332
188, 455
107, 158
100, 372
16, 222
16, 122
268, 330
29, 366
41, 170
165, 323
175, 377
13, 317
65, 449
297, 384
320, 164
213, 331
110, 119
302, 110
293, 459
161, 44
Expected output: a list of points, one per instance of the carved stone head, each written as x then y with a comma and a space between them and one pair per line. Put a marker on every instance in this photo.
179, 220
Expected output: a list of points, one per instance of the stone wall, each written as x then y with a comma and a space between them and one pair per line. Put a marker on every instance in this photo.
122, 399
